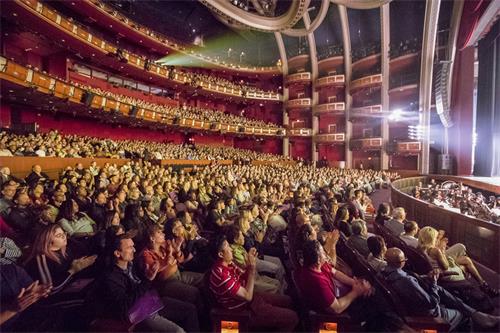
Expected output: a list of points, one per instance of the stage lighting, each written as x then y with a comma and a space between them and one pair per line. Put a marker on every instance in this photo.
395, 115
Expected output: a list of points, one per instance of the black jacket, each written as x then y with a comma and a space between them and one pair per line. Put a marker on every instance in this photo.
118, 290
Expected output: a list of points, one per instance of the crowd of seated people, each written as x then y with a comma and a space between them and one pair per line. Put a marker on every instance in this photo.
404, 47
97, 241
55, 144
185, 111
451, 260
461, 199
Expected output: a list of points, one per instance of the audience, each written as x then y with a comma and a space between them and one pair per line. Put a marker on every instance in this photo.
410, 231
233, 288
426, 298
358, 239
396, 224
184, 111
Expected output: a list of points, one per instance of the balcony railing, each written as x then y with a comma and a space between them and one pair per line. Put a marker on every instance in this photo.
332, 80
330, 138
329, 108
57, 88
298, 103
367, 110
303, 77
404, 147
367, 81
82, 35
300, 132
366, 143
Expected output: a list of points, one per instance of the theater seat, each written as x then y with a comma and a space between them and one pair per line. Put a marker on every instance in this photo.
224, 318
110, 325
314, 321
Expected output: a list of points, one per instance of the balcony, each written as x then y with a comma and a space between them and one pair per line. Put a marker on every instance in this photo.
405, 147
367, 111
366, 144
366, 82
304, 77
305, 132
329, 108
332, 80
299, 103
330, 138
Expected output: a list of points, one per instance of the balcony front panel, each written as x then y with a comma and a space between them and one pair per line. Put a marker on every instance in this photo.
330, 138
370, 110
304, 77
306, 132
299, 103
366, 82
332, 80
334, 108
366, 144
406, 147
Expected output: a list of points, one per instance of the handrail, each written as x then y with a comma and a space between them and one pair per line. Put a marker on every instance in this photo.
41, 10
13, 72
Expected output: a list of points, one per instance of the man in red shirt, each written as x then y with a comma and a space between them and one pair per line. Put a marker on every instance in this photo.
233, 288
325, 289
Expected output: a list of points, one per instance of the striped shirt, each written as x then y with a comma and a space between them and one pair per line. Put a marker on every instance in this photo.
224, 284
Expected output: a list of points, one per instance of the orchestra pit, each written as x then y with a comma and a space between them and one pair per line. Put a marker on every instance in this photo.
250, 166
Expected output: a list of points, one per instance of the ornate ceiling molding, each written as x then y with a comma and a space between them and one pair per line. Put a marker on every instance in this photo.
361, 4
230, 14
325, 4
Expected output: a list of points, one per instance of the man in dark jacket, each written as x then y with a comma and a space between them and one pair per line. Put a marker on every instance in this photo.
36, 176
22, 218
429, 299
121, 288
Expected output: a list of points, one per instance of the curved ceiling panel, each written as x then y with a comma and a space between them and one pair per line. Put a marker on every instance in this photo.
325, 4
361, 4
286, 21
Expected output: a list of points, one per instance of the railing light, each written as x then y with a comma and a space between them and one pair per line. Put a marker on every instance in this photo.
229, 326
328, 328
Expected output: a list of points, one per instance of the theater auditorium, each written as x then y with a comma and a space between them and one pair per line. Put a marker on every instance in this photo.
250, 166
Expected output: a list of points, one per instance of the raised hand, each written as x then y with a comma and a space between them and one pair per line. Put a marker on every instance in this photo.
151, 271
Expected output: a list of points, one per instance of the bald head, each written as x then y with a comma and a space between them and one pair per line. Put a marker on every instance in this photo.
395, 257
302, 219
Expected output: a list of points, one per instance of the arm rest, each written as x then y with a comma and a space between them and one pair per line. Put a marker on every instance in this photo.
343, 320
435, 323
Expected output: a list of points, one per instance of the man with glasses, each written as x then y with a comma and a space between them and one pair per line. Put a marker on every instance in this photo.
426, 298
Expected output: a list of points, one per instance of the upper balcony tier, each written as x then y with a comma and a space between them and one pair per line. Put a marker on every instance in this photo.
299, 103
331, 80
109, 18
73, 97
329, 109
298, 78
79, 38
366, 82
331, 138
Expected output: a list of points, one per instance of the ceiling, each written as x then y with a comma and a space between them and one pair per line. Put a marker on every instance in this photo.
187, 20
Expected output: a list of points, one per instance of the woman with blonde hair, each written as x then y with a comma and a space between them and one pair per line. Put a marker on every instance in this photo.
452, 259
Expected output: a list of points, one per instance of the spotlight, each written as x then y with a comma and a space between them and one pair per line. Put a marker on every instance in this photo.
395, 115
